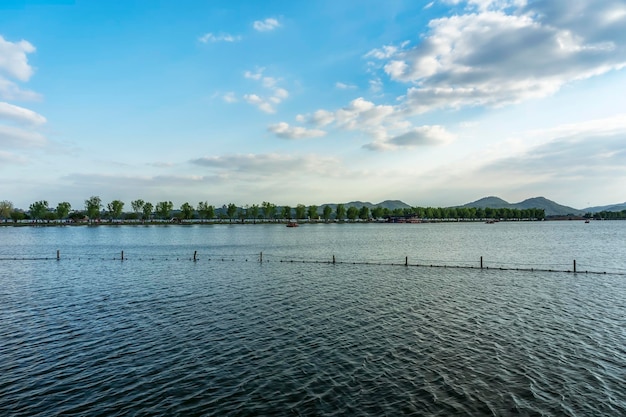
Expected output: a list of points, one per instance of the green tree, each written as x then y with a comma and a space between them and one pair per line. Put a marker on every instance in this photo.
63, 209
92, 207
286, 212
6, 207
377, 212
352, 213
364, 213
38, 210
49, 216
242, 213
137, 206
540, 214
269, 210
147, 210
231, 210
312, 212
163, 209
300, 211
205, 210
16, 216
254, 212
340, 212
186, 210
327, 212
115, 209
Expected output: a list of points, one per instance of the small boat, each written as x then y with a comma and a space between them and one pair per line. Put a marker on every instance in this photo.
292, 224
587, 221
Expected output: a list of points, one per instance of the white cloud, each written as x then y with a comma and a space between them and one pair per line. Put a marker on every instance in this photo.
276, 94
14, 64
415, 137
222, 37
13, 60
361, 113
343, 86
20, 132
613, 125
20, 115
385, 52
230, 97
254, 75
281, 93
376, 85
246, 166
266, 25
322, 118
283, 130
260, 103
15, 137
422, 135
269, 82
568, 158
507, 52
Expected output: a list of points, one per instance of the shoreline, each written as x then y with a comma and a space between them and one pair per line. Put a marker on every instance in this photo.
261, 222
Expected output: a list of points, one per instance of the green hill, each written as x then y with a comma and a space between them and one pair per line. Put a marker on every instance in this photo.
612, 207
388, 204
550, 207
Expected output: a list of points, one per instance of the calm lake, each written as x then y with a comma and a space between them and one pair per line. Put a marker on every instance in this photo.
160, 334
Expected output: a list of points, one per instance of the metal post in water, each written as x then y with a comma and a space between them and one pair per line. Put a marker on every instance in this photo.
481, 262
406, 261
333, 258
194, 255
122, 255
58, 255
574, 265
261, 257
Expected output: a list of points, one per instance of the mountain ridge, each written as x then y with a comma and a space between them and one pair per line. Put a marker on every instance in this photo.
610, 207
550, 207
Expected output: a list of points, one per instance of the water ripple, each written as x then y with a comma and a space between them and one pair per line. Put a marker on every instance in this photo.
264, 339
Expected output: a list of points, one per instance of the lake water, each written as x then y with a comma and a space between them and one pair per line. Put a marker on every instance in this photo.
228, 335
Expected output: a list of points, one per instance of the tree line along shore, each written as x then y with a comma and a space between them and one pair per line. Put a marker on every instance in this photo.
94, 211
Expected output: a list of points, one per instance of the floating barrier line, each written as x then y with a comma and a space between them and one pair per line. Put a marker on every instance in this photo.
258, 257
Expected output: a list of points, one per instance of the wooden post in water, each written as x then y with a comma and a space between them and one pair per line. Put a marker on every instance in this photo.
406, 261
58, 255
122, 255
194, 255
481, 262
261, 257
574, 265
333, 258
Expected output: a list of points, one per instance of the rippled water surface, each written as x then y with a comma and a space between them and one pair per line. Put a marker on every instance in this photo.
228, 335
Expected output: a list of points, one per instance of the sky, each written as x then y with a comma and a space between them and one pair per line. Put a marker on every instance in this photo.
434, 103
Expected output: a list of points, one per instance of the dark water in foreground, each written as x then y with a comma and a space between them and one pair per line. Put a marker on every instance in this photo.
93, 336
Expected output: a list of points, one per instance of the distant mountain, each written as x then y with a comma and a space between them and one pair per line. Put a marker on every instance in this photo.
388, 204
491, 201
550, 207
597, 209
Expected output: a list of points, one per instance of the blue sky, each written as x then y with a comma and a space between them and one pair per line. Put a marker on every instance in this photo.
433, 103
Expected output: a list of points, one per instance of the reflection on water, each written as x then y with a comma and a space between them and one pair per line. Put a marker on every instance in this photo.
93, 337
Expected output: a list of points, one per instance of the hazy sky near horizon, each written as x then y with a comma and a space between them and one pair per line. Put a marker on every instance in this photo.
433, 103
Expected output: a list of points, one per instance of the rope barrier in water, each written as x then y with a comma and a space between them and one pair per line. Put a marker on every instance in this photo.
265, 258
